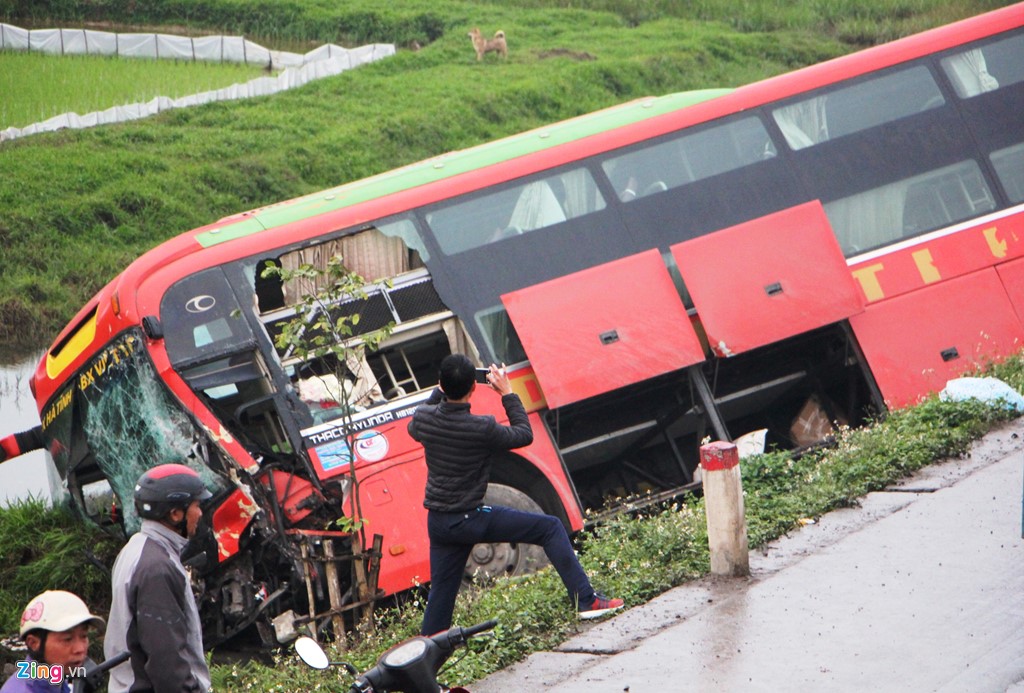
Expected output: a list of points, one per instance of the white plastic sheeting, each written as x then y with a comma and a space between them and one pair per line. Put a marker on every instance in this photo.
325, 61
222, 49
991, 390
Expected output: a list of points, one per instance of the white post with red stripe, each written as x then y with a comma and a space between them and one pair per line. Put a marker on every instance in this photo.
723, 501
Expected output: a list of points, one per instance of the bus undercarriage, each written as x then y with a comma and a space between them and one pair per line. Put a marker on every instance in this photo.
644, 440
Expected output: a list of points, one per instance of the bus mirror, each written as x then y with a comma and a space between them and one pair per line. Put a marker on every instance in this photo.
152, 327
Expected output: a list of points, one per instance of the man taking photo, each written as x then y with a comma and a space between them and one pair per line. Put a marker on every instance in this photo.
459, 446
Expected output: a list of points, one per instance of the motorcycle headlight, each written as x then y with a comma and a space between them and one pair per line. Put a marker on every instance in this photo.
405, 653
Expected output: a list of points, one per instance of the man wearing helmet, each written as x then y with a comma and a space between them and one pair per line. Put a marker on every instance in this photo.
55, 628
153, 612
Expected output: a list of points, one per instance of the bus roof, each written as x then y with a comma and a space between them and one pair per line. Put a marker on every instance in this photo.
453, 164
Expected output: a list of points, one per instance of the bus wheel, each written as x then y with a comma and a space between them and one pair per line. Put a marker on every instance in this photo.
489, 561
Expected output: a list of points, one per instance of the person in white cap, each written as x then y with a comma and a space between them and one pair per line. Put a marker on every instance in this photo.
55, 627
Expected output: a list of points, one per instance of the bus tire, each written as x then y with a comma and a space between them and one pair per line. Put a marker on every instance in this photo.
489, 561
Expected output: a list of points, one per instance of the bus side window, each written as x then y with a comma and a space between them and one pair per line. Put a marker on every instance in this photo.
857, 107
1009, 166
536, 208
642, 173
512, 211
909, 207
689, 158
969, 74
986, 68
945, 198
370, 254
500, 335
269, 289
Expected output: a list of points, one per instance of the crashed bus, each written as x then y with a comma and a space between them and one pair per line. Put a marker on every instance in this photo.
790, 256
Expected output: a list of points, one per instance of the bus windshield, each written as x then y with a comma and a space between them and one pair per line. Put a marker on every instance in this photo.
115, 421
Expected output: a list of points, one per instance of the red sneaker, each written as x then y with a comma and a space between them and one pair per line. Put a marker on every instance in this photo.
600, 606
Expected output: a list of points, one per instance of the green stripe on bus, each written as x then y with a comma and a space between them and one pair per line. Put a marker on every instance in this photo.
455, 163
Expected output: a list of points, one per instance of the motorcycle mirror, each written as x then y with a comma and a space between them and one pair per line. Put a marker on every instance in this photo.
311, 653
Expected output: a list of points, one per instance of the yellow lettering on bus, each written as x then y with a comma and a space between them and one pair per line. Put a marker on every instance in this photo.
868, 279
926, 266
59, 406
995, 244
528, 389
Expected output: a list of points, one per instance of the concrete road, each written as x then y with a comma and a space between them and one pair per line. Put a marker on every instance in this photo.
921, 588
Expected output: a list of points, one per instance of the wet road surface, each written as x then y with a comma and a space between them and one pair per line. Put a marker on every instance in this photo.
921, 588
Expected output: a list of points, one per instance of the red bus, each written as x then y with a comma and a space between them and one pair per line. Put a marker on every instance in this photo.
785, 257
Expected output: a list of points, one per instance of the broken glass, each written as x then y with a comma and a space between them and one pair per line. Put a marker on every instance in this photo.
131, 422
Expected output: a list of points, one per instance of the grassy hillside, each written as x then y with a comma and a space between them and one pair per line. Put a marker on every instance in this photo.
77, 206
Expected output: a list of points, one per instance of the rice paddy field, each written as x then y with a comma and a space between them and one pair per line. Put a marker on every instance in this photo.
43, 86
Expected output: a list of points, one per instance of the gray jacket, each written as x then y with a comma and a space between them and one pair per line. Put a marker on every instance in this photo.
153, 615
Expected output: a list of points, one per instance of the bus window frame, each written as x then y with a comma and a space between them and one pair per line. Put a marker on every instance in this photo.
517, 188
728, 125
944, 59
990, 117
286, 367
846, 87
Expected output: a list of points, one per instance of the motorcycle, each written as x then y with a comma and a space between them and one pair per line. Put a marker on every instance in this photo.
96, 674
410, 666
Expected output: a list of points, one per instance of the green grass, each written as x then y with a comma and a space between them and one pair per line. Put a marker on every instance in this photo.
47, 86
424, 21
77, 206
43, 548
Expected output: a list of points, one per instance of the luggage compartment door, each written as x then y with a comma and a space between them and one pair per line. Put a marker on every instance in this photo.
603, 328
914, 343
1012, 276
768, 279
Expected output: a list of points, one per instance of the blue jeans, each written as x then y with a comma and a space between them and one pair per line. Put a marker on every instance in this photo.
452, 536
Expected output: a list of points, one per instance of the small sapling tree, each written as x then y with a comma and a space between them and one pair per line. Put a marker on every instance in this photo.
325, 329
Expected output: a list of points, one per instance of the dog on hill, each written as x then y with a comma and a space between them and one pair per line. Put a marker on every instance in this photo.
491, 45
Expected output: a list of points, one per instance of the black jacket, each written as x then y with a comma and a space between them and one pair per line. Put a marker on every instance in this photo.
459, 446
